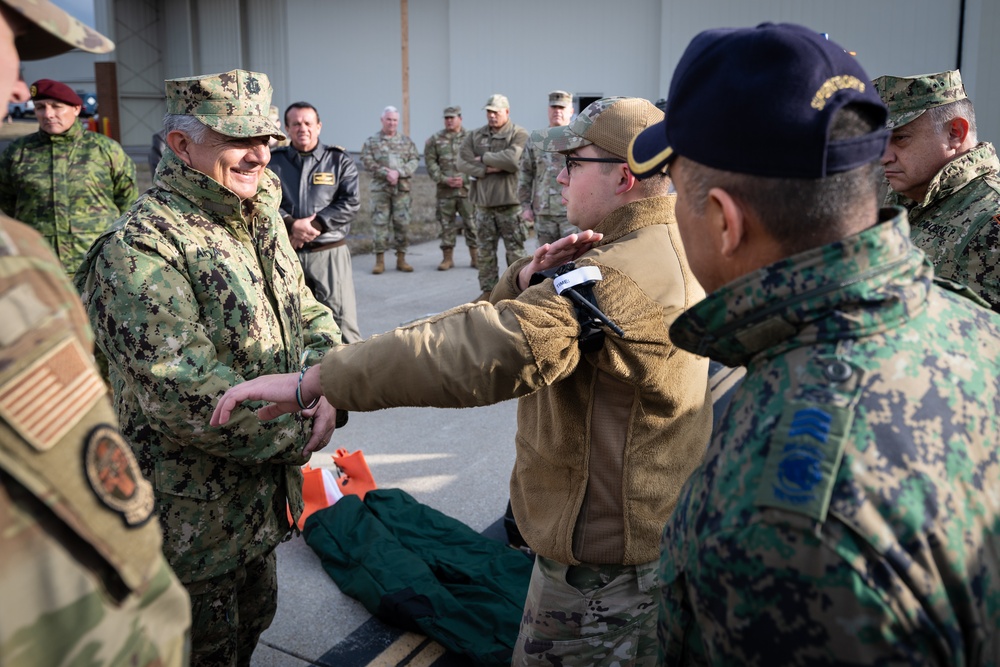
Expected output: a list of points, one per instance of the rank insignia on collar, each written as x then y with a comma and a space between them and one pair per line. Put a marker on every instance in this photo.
324, 178
114, 475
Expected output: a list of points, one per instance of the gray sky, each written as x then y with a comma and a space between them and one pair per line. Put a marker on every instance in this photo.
81, 9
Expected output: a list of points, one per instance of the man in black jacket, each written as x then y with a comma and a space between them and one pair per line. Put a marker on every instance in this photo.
319, 199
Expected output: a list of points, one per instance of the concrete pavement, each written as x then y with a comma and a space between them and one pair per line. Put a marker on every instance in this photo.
456, 461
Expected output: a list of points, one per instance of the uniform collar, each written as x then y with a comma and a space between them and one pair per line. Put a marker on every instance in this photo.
205, 192
959, 172
74, 132
860, 285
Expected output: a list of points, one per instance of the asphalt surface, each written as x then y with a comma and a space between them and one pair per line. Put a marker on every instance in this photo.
456, 461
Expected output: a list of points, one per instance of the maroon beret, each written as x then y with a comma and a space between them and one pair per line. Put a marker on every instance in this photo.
47, 89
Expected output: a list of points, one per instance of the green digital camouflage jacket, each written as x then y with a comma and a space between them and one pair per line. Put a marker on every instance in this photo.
190, 293
958, 222
847, 510
536, 185
82, 577
440, 156
70, 187
380, 153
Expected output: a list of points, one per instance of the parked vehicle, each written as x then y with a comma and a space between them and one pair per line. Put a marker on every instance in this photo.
89, 104
21, 109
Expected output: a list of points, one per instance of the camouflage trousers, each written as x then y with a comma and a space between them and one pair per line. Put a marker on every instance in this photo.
549, 228
449, 210
390, 212
492, 224
229, 613
589, 615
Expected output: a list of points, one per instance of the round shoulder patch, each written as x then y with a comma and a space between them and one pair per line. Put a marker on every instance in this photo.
114, 475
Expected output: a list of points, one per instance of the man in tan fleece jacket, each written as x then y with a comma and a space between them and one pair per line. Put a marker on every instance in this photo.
606, 437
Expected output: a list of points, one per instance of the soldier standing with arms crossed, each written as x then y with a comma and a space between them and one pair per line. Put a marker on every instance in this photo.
491, 155
440, 155
82, 578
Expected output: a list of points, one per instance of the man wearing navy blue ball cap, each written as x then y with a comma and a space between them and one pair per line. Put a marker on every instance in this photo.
845, 511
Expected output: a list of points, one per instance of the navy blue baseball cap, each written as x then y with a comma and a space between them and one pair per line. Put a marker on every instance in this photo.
760, 101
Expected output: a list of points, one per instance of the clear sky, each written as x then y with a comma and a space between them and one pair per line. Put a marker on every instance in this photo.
81, 9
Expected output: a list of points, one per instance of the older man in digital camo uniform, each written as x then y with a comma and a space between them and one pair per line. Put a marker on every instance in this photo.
846, 512
945, 178
82, 579
608, 426
194, 290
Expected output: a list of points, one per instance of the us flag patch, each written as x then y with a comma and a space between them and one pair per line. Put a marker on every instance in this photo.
47, 399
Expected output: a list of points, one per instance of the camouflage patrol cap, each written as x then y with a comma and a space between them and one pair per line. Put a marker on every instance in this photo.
451, 112
52, 31
496, 102
560, 98
609, 123
234, 103
908, 97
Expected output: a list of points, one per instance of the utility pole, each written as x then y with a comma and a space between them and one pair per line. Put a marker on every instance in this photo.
405, 42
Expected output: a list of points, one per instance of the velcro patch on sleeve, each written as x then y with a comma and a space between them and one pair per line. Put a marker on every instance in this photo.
114, 475
806, 448
49, 397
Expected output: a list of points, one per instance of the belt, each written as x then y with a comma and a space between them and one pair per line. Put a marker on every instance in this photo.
326, 246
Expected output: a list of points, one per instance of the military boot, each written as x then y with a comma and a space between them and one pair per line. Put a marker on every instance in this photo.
379, 263
401, 264
474, 255
447, 262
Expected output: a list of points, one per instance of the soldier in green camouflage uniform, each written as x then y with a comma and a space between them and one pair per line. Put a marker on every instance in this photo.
846, 511
440, 154
82, 577
69, 184
195, 289
392, 159
540, 194
491, 155
951, 192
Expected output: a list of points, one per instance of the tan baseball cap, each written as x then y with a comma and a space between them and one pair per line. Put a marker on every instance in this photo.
496, 102
609, 123
52, 31
234, 103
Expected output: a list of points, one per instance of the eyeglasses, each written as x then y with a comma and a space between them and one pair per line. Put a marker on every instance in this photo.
571, 161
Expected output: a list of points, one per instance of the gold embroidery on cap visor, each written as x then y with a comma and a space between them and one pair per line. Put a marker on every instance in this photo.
832, 85
647, 165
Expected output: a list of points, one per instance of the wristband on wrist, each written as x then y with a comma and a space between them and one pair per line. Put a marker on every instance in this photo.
298, 387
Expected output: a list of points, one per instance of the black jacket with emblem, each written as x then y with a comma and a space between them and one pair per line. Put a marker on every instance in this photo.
324, 182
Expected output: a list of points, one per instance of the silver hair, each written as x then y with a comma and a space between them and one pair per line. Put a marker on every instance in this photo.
189, 125
389, 109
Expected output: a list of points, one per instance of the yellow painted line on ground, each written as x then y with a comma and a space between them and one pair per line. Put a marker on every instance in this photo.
397, 651
427, 655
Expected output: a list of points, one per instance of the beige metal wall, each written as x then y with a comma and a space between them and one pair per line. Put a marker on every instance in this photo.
344, 55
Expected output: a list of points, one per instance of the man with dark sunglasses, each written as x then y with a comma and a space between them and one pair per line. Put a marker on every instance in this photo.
610, 421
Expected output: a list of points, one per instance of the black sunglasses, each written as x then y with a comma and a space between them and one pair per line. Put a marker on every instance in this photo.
573, 159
